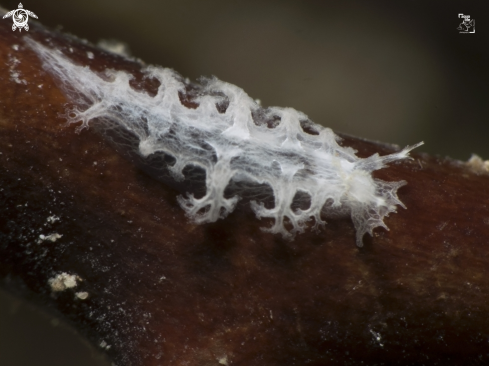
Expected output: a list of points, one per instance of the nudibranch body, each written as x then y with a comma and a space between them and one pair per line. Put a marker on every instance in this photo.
223, 137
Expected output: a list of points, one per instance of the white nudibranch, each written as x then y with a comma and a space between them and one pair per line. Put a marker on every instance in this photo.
222, 137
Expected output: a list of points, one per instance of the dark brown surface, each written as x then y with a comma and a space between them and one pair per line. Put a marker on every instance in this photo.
163, 291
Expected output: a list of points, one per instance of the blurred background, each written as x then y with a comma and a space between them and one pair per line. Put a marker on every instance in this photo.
394, 71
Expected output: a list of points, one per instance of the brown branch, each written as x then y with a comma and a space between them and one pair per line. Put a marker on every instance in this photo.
155, 289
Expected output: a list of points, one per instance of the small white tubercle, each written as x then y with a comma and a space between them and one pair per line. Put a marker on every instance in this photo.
230, 146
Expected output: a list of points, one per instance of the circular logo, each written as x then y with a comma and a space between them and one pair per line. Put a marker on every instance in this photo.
20, 18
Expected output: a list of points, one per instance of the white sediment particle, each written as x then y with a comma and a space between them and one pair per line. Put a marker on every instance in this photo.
223, 360
51, 237
477, 164
90, 55
231, 147
63, 281
82, 295
377, 337
15, 47
117, 47
52, 219
14, 73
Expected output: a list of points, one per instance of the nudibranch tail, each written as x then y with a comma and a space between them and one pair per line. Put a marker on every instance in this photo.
228, 140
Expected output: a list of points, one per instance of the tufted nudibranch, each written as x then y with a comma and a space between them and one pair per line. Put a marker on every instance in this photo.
238, 144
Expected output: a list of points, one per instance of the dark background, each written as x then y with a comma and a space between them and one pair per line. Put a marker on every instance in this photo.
394, 71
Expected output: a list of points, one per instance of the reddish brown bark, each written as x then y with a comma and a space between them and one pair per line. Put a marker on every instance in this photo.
163, 291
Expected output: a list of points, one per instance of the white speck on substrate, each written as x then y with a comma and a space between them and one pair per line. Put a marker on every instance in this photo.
223, 360
82, 295
63, 281
51, 237
477, 164
52, 219
117, 47
14, 74
377, 337
15, 47
231, 148
103, 344
90, 55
